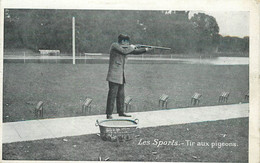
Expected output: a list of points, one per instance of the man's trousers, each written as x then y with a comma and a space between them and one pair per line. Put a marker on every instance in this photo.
116, 93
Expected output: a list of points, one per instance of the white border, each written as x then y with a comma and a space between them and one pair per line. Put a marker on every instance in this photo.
208, 5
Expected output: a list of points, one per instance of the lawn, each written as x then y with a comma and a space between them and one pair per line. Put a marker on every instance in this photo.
90, 147
62, 87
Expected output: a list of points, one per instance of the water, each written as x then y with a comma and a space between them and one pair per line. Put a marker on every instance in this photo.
133, 60
222, 61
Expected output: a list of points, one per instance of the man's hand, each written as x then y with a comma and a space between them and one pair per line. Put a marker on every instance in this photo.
149, 49
133, 46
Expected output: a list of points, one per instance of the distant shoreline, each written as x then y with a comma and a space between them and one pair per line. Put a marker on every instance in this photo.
140, 59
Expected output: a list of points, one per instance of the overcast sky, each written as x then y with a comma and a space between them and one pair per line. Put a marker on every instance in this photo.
231, 23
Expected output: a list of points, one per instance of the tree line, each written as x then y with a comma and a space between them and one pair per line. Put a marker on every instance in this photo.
96, 29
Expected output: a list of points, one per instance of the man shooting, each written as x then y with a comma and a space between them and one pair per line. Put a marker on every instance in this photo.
116, 76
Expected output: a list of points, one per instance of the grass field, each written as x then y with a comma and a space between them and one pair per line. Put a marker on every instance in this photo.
91, 147
63, 86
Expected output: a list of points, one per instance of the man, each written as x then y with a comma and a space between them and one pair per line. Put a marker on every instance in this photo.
116, 76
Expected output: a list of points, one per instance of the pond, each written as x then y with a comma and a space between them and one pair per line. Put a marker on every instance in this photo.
132, 59
222, 61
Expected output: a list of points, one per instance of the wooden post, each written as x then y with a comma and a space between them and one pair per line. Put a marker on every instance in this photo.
73, 39
23, 57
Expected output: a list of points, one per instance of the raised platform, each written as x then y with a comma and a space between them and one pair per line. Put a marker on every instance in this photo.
74, 126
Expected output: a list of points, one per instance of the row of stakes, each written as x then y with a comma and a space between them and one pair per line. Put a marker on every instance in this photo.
195, 99
163, 101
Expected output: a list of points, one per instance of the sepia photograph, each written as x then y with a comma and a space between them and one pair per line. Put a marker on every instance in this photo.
134, 85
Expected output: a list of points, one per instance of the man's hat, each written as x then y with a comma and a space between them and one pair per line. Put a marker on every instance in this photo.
123, 37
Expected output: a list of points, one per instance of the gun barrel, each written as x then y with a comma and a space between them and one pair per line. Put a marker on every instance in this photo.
160, 47
155, 47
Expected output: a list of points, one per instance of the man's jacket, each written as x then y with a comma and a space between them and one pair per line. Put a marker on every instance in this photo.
117, 61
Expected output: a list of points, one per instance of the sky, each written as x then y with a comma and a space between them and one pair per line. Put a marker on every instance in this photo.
231, 23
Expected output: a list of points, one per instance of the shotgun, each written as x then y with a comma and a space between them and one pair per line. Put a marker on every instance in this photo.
150, 46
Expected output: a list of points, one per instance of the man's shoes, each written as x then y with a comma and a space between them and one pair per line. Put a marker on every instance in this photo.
109, 117
124, 115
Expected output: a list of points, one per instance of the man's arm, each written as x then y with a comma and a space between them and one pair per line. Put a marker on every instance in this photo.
139, 51
121, 50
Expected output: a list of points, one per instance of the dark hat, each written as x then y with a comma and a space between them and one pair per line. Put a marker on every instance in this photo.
123, 37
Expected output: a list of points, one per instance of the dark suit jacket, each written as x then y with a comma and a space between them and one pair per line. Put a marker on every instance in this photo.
117, 61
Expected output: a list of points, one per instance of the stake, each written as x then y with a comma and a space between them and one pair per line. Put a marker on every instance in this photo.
73, 39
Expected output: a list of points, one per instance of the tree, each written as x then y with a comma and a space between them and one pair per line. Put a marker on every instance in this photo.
97, 29
206, 32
